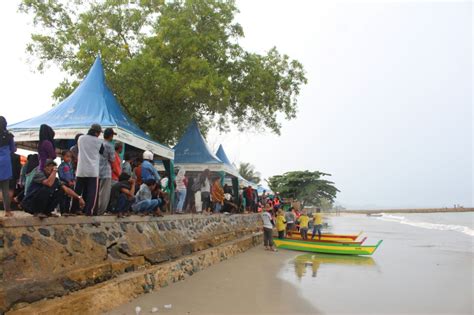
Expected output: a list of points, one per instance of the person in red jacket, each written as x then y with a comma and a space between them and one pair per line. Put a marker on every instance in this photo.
117, 163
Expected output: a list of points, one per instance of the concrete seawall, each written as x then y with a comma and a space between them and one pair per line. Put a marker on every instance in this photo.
84, 258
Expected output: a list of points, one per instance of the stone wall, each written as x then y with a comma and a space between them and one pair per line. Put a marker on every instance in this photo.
56, 256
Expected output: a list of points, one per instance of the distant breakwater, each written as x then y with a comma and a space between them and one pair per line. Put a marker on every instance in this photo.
421, 210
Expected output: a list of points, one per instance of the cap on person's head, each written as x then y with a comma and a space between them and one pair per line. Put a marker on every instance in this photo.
96, 128
148, 155
108, 132
50, 162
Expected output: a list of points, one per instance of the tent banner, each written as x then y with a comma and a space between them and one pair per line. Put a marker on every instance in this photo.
122, 135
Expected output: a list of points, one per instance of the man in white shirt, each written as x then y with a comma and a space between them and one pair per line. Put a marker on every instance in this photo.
87, 183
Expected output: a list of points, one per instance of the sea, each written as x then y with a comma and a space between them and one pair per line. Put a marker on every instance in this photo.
425, 265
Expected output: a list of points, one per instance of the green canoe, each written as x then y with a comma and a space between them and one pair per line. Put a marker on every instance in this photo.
328, 248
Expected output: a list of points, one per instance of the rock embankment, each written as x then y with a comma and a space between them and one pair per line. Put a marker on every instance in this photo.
58, 256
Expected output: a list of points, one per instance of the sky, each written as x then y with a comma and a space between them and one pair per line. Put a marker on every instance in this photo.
387, 109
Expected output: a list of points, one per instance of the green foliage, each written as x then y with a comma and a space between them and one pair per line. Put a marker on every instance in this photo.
306, 186
168, 62
247, 171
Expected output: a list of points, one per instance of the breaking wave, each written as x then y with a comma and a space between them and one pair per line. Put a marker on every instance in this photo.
432, 226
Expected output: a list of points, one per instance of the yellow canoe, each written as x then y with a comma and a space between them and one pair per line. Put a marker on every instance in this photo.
329, 237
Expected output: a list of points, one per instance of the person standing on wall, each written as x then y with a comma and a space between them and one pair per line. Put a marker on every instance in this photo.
105, 171
205, 190
75, 151
181, 184
7, 147
117, 163
46, 149
87, 175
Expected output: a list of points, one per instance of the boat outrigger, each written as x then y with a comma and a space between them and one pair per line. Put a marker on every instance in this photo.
328, 248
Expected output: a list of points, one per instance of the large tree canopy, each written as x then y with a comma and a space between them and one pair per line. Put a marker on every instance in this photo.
306, 186
168, 62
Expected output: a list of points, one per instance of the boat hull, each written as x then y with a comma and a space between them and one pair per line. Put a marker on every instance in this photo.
327, 248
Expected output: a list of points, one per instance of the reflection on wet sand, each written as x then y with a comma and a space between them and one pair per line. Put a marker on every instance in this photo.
314, 261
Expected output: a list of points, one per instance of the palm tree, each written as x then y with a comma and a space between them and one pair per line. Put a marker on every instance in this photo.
247, 171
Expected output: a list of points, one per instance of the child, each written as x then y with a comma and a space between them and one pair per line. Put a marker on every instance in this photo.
67, 176
122, 195
268, 228
304, 220
280, 224
318, 223
143, 199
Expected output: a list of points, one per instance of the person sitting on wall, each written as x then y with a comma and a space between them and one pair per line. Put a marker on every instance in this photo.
144, 202
46, 192
122, 195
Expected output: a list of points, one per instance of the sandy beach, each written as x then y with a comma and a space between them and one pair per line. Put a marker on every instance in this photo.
245, 284
415, 271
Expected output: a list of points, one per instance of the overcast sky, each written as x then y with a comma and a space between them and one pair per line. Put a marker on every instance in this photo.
387, 110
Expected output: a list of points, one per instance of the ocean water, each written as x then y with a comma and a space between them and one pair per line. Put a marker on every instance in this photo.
425, 265
462, 222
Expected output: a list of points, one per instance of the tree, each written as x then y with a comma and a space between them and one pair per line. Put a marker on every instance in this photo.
247, 171
168, 62
306, 186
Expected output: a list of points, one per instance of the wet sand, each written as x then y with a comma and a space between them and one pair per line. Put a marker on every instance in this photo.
414, 271
245, 284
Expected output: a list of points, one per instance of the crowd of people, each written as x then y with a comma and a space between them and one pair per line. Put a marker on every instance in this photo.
288, 222
93, 179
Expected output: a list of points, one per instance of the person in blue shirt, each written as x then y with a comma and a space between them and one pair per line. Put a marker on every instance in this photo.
67, 176
148, 170
7, 148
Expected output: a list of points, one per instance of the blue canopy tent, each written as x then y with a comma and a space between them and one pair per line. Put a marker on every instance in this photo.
91, 102
193, 154
223, 157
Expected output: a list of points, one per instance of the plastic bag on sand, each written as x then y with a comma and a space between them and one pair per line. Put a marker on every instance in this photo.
154, 309
168, 306
138, 309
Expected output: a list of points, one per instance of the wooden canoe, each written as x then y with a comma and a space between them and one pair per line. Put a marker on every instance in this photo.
329, 237
297, 237
327, 248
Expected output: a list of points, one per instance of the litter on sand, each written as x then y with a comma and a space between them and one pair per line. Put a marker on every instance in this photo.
168, 306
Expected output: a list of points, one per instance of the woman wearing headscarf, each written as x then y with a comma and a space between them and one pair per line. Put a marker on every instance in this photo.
46, 149
181, 184
7, 147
